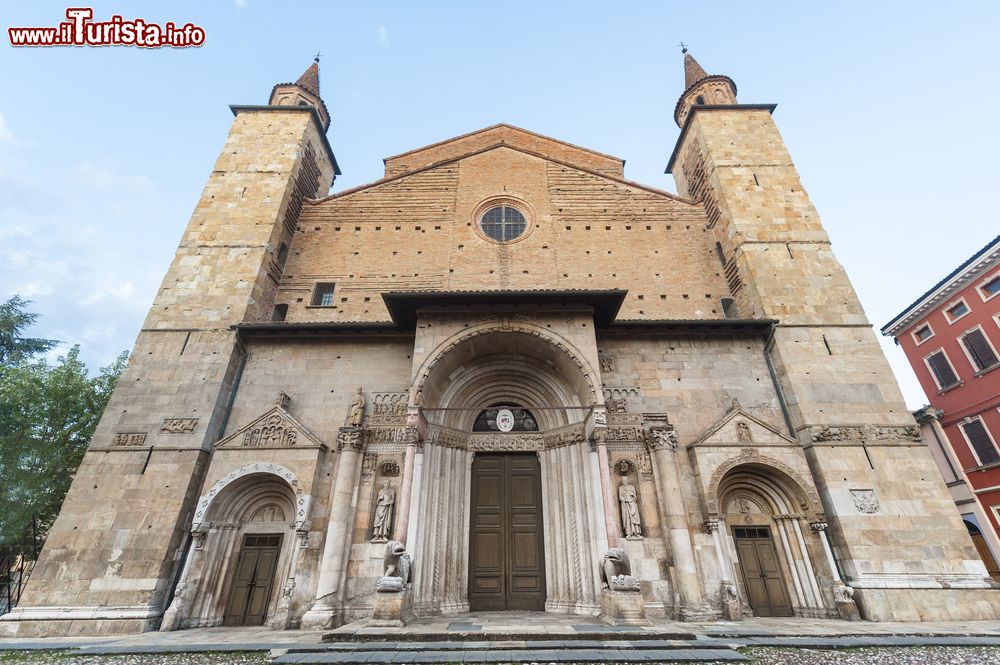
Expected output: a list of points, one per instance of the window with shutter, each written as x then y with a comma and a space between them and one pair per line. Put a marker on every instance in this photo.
941, 368
979, 349
980, 441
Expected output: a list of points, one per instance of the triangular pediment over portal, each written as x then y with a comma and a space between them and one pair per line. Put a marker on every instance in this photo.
276, 428
739, 428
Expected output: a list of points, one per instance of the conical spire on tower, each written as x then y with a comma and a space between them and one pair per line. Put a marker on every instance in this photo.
693, 72
304, 92
702, 89
309, 81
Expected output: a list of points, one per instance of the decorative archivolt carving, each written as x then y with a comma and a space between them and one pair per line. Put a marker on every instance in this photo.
823, 433
301, 498
810, 503
509, 326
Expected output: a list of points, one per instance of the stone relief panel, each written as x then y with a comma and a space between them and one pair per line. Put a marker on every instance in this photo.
129, 439
273, 432
865, 501
368, 467
862, 433
178, 425
388, 408
609, 364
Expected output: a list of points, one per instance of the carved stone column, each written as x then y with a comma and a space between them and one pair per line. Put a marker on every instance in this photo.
843, 595
611, 522
351, 445
416, 428
662, 443
728, 596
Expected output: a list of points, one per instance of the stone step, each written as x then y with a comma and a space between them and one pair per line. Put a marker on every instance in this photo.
511, 651
518, 656
457, 634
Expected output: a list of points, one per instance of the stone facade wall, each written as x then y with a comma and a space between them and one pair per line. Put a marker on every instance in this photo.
587, 232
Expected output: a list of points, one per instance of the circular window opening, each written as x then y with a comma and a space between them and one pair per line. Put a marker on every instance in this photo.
503, 223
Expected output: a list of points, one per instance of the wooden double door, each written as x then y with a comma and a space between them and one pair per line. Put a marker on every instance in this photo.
506, 552
762, 578
254, 580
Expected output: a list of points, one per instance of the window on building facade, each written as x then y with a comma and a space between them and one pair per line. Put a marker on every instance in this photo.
982, 444
923, 333
524, 421
323, 295
503, 223
980, 351
990, 287
955, 311
943, 373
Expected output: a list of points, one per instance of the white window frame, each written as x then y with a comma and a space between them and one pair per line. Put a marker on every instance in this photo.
965, 350
982, 293
934, 376
916, 339
965, 436
947, 316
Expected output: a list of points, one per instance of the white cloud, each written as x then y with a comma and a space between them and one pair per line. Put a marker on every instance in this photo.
5, 134
240, 3
383, 36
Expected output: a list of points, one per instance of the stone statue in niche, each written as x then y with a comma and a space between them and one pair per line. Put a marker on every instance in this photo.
397, 563
616, 571
357, 412
631, 523
384, 507
743, 434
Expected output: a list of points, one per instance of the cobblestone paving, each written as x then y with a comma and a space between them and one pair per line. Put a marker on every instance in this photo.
867, 656
758, 656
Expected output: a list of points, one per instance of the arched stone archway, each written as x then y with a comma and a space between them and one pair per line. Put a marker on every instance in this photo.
521, 364
256, 512
768, 541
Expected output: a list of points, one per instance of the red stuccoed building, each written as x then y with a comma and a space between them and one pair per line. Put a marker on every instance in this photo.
951, 335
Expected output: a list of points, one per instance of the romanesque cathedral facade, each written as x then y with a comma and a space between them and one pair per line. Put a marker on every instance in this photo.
503, 377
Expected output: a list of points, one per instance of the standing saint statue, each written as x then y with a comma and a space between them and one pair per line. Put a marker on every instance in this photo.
631, 524
383, 513
357, 412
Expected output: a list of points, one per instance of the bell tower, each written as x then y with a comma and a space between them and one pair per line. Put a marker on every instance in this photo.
899, 543
111, 559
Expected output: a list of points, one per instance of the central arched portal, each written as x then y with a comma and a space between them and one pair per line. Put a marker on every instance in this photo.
508, 507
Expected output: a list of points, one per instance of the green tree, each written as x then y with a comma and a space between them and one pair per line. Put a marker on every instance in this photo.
14, 347
48, 412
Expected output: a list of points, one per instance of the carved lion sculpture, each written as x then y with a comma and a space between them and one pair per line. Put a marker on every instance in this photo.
397, 563
616, 571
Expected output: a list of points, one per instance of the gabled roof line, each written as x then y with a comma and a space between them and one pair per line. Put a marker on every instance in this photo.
952, 282
450, 160
732, 414
509, 126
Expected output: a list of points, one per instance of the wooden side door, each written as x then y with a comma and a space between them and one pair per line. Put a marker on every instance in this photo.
506, 552
762, 578
255, 568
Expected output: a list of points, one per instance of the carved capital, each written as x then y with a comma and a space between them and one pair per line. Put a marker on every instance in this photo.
711, 526
350, 438
818, 526
662, 438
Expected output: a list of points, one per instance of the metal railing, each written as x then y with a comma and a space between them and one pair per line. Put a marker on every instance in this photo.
16, 562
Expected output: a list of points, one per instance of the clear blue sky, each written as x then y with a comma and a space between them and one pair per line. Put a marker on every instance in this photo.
889, 110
